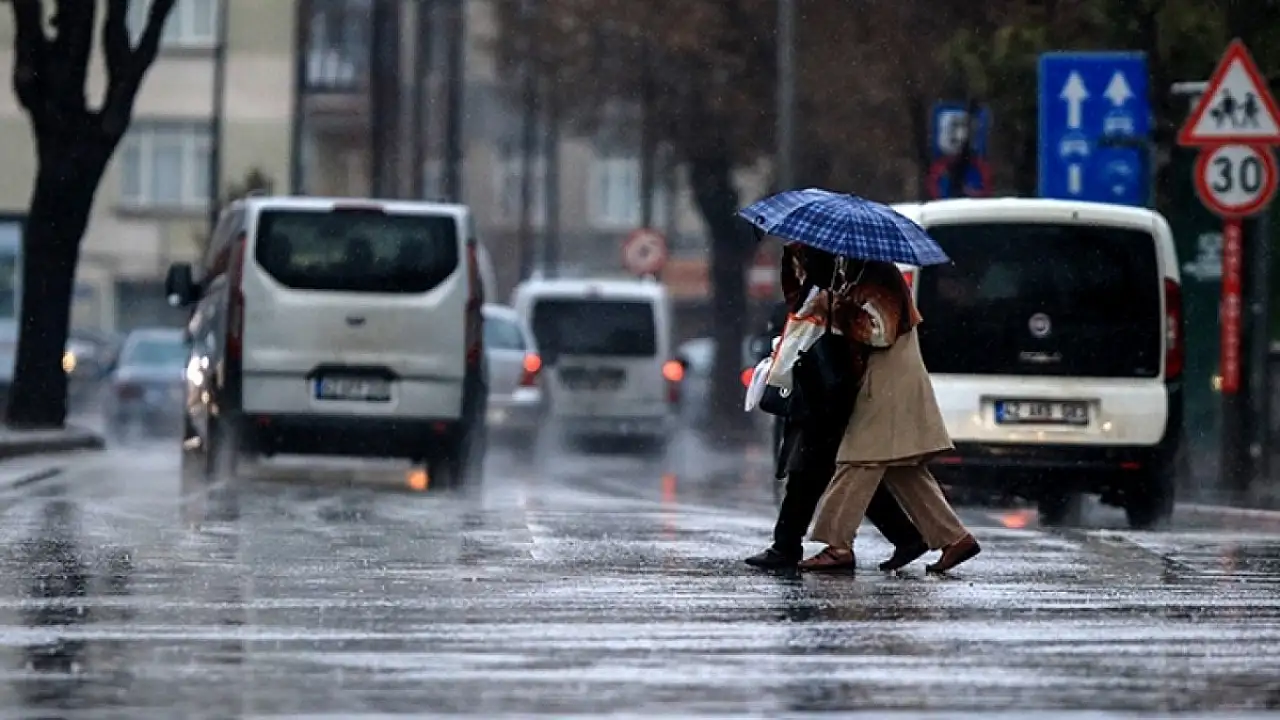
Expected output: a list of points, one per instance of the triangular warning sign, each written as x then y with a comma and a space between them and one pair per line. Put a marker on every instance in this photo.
1236, 107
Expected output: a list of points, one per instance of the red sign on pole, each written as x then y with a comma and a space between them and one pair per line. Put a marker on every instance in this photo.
1232, 303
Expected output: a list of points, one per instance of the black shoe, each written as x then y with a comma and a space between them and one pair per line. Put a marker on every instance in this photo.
904, 556
771, 559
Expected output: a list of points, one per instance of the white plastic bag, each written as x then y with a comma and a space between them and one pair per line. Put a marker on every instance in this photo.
755, 390
800, 334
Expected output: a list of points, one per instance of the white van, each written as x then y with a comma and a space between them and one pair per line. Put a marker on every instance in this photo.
338, 327
1054, 340
606, 346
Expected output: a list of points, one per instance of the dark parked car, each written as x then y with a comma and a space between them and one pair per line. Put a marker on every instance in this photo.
87, 359
146, 386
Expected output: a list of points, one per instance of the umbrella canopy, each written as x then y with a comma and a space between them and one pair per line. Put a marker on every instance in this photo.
846, 225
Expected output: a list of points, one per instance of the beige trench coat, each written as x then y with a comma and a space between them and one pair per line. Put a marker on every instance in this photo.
896, 420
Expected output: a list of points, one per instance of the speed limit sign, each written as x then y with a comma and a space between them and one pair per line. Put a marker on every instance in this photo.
1236, 180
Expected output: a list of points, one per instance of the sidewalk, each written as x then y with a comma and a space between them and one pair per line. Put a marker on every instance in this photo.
20, 443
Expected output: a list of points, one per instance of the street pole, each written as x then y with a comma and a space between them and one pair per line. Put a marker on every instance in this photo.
647, 175
298, 124
551, 193
384, 91
421, 71
455, 36
786, 95
528, 141
216, 119
1259, 254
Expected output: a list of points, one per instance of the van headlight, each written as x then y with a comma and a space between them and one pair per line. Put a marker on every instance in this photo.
68, 362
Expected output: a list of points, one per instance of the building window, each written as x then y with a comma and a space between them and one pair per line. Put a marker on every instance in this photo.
165, 166
508, 187
338, 45
615, 194
191, 23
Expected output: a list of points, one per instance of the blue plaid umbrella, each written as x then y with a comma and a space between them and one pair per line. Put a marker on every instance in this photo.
844, 225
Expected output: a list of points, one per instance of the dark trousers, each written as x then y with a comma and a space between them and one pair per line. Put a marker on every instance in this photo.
809, 468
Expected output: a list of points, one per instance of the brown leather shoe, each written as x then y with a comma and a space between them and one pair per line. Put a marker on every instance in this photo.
830, 560
962, 550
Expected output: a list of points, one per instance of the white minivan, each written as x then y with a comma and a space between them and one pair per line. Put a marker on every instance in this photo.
337, 327
606, 346
1054, 340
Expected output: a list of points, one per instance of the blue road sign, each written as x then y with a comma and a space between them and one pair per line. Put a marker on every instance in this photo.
948, 127
1095, 125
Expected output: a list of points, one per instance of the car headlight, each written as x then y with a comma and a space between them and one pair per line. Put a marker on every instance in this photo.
68, 362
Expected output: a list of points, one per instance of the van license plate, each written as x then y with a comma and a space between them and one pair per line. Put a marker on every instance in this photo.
359, 389
1037, 412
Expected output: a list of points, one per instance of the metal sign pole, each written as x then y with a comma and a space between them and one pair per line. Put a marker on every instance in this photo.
1260, 351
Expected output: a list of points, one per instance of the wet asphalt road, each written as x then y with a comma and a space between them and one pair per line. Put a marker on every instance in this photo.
611, 585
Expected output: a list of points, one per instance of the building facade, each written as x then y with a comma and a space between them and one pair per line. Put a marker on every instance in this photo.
349, 98
152, 206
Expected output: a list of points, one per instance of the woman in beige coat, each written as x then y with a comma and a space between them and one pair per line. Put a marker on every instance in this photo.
895, 429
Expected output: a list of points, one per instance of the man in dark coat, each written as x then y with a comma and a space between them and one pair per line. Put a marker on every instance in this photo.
806, 455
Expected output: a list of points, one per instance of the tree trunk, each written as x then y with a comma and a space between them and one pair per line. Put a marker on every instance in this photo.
711, 178
59, 213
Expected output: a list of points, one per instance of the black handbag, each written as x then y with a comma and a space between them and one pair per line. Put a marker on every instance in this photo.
779, 402
823, 371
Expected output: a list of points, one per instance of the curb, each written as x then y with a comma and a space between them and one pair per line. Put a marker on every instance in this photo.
75, 439
1227, 511
32, 478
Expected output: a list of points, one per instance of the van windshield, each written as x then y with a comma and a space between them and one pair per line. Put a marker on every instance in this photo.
1042, 299
356, 251
617, 328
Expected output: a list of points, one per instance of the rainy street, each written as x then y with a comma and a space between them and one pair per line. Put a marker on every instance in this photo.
607, 585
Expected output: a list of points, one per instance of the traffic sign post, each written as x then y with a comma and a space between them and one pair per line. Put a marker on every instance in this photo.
959, 133
644, 252
1095, 125
977, 180
1236, 125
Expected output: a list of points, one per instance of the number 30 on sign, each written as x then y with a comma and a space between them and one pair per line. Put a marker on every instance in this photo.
1236, 180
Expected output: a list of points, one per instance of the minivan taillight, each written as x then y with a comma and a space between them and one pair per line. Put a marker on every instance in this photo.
235, 298
673, 373
532, 366
1174, 351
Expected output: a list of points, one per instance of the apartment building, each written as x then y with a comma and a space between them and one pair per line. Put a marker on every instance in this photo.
318, 94
152, 205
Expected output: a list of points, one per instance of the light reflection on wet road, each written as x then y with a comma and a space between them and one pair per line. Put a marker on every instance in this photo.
613, 585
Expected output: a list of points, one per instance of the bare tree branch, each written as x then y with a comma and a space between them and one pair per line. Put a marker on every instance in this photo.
149, 45
122, 87
31, 54
73, 23
115, 40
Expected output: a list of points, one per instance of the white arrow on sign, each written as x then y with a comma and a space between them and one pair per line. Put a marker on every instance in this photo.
1075, 179
1118, 91
1074, 92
